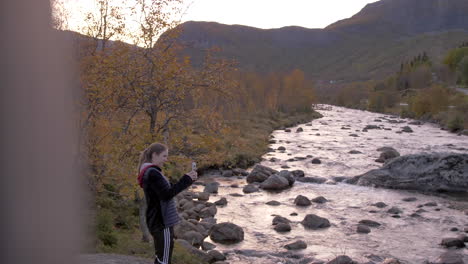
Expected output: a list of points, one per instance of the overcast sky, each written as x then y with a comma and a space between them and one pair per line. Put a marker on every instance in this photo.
274, 13
255, 13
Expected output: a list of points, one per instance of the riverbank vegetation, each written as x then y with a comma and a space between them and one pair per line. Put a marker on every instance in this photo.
434, 91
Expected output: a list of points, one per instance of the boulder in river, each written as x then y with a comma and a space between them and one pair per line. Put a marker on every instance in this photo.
424, 172
211, 187
313, 179
260, 173
320, 200
227, 233
453, 242
288, 176
279, 219
296, 245
250, 188
275, 183
312, 221
407, 129
302, 201
194, 238
316, 161
449, 257
371, 127
363, 229
380, 204
298, 173
282, 227
273, 203
387, 153
343, 259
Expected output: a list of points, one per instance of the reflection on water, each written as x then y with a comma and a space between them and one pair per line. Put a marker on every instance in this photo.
411, 239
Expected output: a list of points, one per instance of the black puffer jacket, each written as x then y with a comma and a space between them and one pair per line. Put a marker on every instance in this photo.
159, 193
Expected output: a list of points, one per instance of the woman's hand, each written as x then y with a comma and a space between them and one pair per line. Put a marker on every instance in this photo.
193, 175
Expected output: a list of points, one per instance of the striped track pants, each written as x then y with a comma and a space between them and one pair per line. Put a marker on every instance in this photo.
163, 245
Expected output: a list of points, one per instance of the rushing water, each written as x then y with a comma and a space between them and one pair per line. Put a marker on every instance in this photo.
410, 239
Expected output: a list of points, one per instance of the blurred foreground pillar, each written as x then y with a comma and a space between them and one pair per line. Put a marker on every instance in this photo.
39, 188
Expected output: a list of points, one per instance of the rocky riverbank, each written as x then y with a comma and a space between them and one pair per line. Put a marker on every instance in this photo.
200, 218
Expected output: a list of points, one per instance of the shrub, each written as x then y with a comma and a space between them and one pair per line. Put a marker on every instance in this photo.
105, 229
456, 123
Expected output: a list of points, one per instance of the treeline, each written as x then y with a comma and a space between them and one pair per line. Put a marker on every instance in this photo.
421, 89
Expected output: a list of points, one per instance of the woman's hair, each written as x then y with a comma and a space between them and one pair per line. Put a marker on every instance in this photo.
145, 156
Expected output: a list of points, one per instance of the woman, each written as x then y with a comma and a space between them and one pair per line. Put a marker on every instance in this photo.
161, 213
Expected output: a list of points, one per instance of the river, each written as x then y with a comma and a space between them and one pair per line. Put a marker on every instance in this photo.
330, 139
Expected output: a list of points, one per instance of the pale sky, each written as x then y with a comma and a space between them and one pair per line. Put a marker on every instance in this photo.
274, 13
255, 13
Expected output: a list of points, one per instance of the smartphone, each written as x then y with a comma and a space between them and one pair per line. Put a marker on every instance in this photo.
194, 166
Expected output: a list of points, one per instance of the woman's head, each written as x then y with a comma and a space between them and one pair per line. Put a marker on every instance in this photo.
156, 153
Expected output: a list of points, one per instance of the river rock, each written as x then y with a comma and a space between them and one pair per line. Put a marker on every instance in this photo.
184, 226
339, 178
371, 127
407, 129
279, 219
409, 199
355, 152
194, 251
423, 172
343, 259
273, 203
463, 238
282, 227
281, 148
208, 212
370, 223
227, 233
319, 199
250, 188
312, 221
394, 210
452, 242
300, 129
208, 246
240, 172
275, 182
316, 161
387, 153
296, 245
221, 202
260, 173
449, 257
302, 201
211, 187
391, 261
363, 229
215, 255
312, 179
288, 176
287, 130
297, 173
203, 196
194, 238
380, 204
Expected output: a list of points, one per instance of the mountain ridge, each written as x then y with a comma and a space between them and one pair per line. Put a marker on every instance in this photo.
347, 49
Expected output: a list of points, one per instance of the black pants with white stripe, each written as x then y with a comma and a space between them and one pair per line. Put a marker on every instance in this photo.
163, 245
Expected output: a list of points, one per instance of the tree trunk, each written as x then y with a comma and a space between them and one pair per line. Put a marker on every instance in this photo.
142, 209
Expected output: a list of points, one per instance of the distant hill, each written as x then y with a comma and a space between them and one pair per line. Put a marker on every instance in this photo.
369, 45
